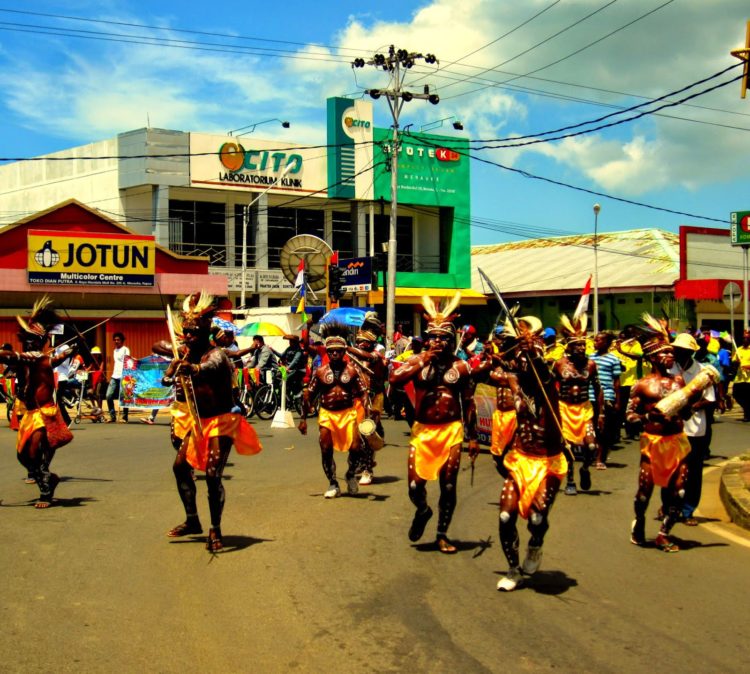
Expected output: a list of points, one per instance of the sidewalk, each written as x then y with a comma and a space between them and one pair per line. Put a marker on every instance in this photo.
734, 490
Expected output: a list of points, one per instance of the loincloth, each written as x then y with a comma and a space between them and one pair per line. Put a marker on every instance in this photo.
343, 426
360, 407
432, 444
181, 421
665, 452
230, 425
530, 472
49, 418
377, 402
576, 421
504, 425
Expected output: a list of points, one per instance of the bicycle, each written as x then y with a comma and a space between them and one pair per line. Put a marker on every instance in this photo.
268, 400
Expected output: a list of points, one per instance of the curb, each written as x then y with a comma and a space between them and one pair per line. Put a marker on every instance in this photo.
734, 491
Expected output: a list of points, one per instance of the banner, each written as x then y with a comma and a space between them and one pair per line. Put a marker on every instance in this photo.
141, 383
92, 259
485, 399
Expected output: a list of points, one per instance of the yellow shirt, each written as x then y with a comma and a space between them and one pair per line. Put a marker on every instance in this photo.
742, 355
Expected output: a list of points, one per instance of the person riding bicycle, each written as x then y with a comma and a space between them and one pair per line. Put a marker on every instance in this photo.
263, 358
294, 359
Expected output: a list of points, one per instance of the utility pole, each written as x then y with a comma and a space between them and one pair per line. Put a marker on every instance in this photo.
397, 63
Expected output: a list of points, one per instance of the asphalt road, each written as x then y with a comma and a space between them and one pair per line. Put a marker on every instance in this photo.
313, 585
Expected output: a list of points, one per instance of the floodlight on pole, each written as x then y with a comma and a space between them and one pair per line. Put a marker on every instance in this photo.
246, 222
251, 127
597, 208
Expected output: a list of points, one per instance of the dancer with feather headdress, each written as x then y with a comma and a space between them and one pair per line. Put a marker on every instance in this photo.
338, 384
575, 373
372, 367
210, 427
444, 411
42, 430
664, 444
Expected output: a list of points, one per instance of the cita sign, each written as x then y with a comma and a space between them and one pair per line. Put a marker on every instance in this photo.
90, 259
740, 228
357, 275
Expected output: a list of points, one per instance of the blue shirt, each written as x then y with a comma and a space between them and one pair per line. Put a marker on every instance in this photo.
609, 368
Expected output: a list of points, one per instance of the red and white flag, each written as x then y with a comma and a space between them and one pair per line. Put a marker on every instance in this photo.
583, 303
299, 282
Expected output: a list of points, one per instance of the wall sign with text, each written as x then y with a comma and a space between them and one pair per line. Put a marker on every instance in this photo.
93, 259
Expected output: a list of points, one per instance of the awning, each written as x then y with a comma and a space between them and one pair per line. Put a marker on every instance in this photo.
414, 295
701, 289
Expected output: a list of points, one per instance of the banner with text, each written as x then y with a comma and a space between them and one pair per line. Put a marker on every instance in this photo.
141, 383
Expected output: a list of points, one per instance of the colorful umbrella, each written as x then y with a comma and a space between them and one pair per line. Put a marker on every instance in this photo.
226, 326
352, 316
261, 328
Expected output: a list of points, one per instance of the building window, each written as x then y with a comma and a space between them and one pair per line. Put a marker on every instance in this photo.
404, 239
284, 223
252, 229
342, 233
638, 300
620, 300
198, 228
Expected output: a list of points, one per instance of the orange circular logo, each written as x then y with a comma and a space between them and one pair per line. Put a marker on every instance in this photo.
232, 156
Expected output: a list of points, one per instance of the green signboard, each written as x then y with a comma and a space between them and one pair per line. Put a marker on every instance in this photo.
432, 170
740, 228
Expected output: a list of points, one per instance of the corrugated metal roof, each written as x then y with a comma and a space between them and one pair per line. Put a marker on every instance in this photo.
626, 260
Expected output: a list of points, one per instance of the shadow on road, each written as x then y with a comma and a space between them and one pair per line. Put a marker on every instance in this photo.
594, 492
231, 543
57, 502
461, 546
72, 478
385, 479
550, 582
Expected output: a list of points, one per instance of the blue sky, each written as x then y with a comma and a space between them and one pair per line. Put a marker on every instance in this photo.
62, 90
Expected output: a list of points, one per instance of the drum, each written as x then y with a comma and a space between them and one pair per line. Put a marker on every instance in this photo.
369, 433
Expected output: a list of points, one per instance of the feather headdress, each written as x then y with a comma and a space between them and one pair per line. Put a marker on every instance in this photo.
197, 311
440, 320
653, 336
371, 327
334, 335
575, 330
42, 318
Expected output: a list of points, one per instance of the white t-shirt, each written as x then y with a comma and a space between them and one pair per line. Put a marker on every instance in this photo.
119, 360
695, 426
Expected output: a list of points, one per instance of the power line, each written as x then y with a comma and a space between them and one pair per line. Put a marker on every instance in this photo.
573, 53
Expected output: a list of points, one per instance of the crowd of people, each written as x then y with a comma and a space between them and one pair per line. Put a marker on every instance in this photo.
561, 399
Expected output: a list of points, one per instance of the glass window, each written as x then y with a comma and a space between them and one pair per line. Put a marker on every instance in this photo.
198, 228
343, 232
284, 223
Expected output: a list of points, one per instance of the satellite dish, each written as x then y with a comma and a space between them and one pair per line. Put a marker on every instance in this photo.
314, 251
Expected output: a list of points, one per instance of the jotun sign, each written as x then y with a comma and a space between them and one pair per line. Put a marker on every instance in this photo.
90, 259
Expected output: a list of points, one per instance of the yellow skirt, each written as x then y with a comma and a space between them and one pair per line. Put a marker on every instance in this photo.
665, 452
343, 426
181, 421
433, 444
575, 420
529, 473
504, 425
49, 418
230, 425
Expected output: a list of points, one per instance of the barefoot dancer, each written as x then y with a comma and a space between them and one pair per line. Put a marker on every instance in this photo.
535, 465
664, 444
42, 429
206, 373
575, 373
338, 384
443, 387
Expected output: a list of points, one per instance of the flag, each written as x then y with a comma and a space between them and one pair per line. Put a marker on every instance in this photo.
299, 282
583, 303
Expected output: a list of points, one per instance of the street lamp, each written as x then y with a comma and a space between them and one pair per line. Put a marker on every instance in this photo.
457, 124
246, 221
251, 127
597, 208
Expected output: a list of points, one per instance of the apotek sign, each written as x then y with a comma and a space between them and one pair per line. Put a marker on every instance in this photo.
90, 259
740, 228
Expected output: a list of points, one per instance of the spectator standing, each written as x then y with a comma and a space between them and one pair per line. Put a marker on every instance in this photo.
741, 388
119, 354
608, 369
